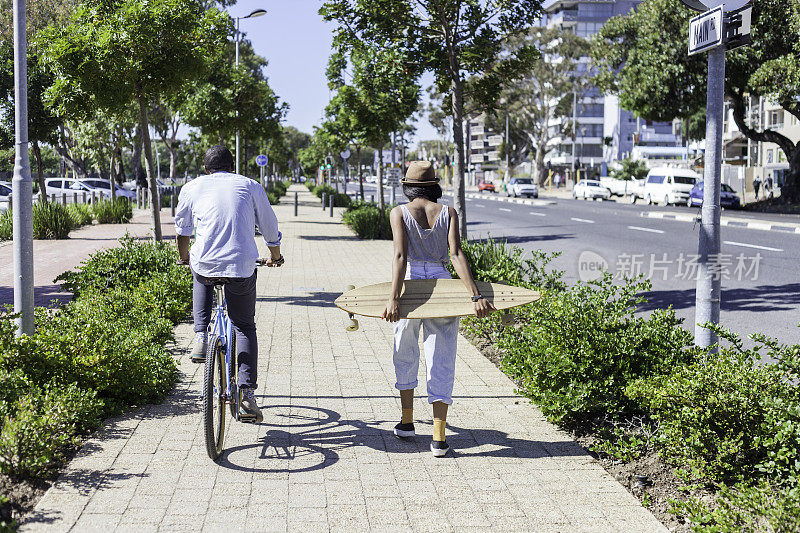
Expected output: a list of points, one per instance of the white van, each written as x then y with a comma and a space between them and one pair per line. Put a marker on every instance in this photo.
668, 185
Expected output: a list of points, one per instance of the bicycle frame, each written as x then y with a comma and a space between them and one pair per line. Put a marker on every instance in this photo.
222, 328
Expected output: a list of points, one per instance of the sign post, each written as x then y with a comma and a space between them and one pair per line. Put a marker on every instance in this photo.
262, 161
711, 31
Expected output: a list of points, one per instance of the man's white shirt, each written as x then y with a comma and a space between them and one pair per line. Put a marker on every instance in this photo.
222, 210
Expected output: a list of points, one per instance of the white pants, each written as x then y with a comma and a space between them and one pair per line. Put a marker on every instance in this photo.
440, 337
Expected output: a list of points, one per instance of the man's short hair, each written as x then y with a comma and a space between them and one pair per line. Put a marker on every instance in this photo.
218, 159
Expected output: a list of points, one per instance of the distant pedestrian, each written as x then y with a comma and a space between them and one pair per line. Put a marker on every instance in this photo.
557, 179
756, 185
768, 187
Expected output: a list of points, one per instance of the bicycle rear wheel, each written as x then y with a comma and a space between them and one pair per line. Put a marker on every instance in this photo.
214, 398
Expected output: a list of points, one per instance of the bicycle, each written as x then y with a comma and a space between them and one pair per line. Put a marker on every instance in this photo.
220, 387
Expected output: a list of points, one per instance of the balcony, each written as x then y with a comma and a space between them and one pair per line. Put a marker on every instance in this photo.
476, 145
565, 17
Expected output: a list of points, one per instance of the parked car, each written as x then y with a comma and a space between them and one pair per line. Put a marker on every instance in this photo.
590, 189
727, 196
68, 186
105, 186
522, 187
371, 179
668, 185
619, 187
484, 185
5, 195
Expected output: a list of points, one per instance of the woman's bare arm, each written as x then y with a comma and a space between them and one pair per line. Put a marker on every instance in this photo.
461, 266
392, 311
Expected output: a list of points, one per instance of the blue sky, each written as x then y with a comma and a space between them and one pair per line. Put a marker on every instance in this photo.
296, 42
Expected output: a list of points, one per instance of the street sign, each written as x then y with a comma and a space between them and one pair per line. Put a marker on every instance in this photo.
262, 160
345, 154
393, 176
705, 5
705, 31
737, 27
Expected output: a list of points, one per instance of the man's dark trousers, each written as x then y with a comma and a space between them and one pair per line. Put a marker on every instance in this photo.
240, 297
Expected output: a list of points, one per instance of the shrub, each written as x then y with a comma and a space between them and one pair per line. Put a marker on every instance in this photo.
327, 189
279, 188
6, 225
37, 429
81, 214
367, 221
341, 200
578, 349
727, 418
273, 198
310, 185
50, 221
127, 265
119, 211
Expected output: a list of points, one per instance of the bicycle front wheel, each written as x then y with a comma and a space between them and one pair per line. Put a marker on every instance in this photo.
214, 398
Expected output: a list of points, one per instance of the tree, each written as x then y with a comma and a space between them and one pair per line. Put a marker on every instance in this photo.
453, 39
631, 169
114, 52
642, 58
535, 102
382, 96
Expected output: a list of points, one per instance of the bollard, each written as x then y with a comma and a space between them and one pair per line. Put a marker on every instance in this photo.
324, 200
372, 198
84, 197
75, 198
394, 195
63, 198
53, 198
295, 203
332, 202
94, 199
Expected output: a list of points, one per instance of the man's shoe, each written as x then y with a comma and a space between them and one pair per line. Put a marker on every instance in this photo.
199, 348
248, 410
439, 448
404, 430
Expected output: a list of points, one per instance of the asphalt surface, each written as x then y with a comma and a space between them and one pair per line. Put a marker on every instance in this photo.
758, 268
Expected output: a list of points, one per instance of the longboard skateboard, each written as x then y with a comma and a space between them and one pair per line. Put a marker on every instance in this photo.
430, 298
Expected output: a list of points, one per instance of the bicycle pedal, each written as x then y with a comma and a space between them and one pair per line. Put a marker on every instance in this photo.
247, 419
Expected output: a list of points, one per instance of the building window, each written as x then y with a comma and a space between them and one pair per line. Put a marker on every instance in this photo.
590, 110
769, 156
776, 118
597, 11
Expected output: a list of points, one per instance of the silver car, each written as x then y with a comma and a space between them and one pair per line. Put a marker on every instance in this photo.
590, 189
522, 187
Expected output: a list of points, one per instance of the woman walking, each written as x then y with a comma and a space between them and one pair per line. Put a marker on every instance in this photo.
424, 233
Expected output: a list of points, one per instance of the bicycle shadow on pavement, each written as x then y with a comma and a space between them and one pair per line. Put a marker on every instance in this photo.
312, 299
304, 438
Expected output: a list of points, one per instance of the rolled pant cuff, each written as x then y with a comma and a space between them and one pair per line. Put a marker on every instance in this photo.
406, 386
443, 399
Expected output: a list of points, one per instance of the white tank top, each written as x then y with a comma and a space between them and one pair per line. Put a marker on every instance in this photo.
428, 245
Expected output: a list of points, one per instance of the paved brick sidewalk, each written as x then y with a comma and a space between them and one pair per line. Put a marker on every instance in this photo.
54, 257
325, 458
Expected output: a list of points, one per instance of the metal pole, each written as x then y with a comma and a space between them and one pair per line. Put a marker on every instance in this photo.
707, 296
237, 111
22, 192
394, 195
574, 130
508, 163
331, 201
295, 203
324, 200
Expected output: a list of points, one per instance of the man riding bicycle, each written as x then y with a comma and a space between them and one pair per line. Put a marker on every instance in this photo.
222, 210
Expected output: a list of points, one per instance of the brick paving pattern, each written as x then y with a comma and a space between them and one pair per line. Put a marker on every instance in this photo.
325, 458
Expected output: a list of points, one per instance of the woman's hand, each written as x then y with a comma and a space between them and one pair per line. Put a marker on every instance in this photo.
392, 311
483, 308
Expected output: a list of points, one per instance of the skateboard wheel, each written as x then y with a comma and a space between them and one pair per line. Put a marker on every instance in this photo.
507, 319
350, 287
353, 325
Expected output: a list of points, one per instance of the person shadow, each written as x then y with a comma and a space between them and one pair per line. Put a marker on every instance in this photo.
307, 438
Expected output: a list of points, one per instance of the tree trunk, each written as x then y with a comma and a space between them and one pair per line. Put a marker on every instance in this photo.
540, 165
360, 177
112, 177
37, 153
136, 157
381, 204
172, 161
459, 189
155, 201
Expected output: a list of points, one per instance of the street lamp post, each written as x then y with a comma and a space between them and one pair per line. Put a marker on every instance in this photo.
22, 193
253, 14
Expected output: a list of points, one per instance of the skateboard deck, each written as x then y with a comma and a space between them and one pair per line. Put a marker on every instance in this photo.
432, 298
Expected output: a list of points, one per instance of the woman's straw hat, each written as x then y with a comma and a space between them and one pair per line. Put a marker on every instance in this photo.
420, 173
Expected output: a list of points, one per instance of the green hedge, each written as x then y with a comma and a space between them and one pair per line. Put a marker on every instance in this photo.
51, 221
726, 421
119, 211
6, 226
100, 353
367, 221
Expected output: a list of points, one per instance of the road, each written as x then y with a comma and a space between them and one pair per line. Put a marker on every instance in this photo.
759, 269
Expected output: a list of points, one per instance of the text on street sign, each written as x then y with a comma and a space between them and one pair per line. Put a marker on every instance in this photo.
705, 31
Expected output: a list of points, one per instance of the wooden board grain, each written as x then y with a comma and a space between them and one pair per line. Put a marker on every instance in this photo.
432, 298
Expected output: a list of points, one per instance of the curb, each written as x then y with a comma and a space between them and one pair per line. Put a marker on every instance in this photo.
510, 200
763, 226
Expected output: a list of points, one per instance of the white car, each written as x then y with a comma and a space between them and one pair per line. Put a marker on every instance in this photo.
371, 179
522, 187
5, 195
590, 189
669, 185
69, 186
105, 186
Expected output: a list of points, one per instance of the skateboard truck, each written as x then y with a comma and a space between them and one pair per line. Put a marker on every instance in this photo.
507, 319
353, 326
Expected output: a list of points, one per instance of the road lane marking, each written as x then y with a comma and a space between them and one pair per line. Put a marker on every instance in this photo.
756, 246
582, 220
651, 230
534, 213
479, 205
504, 209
